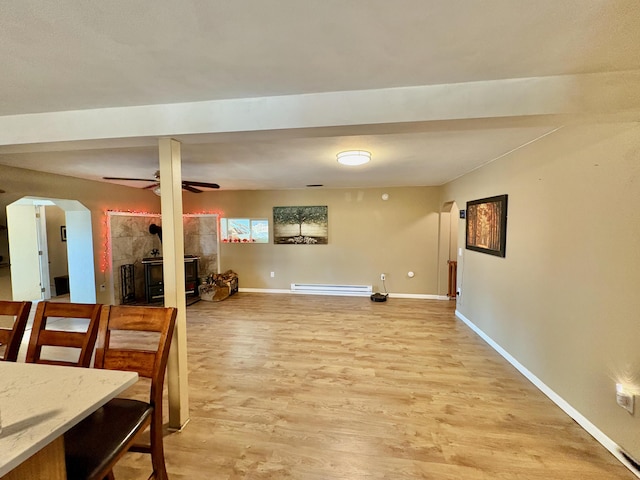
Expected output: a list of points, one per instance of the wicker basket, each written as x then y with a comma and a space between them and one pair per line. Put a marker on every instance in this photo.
219, 286
214, 293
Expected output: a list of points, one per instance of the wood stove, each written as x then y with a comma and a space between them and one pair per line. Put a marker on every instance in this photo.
154, 280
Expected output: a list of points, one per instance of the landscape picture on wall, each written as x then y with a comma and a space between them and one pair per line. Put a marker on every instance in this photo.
244, 230
487, 225
300, 225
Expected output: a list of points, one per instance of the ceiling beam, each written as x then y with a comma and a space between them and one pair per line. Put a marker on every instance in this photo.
568, 97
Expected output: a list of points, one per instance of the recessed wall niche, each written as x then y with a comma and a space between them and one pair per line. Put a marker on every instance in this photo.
130, 241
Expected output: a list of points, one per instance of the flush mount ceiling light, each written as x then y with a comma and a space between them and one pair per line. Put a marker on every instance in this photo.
354, 157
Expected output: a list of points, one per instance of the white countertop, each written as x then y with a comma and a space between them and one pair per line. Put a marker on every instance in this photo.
38, 403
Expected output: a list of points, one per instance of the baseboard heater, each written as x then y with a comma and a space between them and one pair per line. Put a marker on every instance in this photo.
326, 289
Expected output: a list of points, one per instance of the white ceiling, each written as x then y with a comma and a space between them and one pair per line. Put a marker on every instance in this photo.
67, 55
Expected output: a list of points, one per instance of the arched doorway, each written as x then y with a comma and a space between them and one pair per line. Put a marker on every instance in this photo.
26, 249
448, 247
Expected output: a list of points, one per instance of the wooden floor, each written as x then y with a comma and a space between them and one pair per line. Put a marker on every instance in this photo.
324, 388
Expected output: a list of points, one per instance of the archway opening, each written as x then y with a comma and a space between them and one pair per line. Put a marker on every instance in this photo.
27, 247
448, 249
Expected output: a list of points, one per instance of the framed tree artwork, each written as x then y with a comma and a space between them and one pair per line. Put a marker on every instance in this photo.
487, 225
306, 225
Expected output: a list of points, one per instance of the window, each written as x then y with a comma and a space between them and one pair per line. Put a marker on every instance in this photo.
244, 230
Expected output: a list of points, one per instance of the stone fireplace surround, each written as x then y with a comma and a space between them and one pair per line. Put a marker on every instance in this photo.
130, 242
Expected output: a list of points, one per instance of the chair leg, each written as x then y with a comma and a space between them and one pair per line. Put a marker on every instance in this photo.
157, 451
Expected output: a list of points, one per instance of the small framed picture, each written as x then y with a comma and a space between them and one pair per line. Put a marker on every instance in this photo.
63, 233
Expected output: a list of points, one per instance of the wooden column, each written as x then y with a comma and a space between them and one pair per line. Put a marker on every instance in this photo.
174, 288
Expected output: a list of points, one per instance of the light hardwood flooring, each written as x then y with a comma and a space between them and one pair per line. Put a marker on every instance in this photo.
323, 388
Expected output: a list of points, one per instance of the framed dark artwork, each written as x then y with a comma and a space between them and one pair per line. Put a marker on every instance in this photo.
63, 233
487, 225
300, 225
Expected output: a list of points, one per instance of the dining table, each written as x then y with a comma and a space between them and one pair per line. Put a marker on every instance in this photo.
38, 404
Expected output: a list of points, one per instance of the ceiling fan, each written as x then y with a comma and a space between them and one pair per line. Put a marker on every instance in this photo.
186, 184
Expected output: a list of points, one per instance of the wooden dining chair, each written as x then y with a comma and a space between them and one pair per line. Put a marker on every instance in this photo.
96, 444
11, 337
78, 341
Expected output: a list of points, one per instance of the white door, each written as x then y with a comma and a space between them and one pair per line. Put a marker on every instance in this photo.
23, 252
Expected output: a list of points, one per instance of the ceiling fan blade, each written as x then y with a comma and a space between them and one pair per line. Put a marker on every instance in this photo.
186, 184
189, 188
131, 179
200, 184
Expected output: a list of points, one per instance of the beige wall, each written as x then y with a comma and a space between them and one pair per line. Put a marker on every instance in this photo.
564, 302
367, 236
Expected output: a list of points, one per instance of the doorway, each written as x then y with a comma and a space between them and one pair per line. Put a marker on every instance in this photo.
448, 251
26, 249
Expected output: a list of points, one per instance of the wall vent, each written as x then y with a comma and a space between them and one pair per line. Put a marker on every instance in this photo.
330, 289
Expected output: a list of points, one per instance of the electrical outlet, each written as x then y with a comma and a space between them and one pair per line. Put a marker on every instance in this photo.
624, 398
383, 276
103, 287
273, 274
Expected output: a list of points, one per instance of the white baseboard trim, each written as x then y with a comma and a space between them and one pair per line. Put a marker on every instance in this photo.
594, 431
391, 295
264, 290
420, 296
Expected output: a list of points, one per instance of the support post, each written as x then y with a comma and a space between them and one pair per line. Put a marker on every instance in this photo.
174, 281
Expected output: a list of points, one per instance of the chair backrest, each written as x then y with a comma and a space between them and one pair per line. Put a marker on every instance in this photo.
11, 337
138, 339
51, 329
